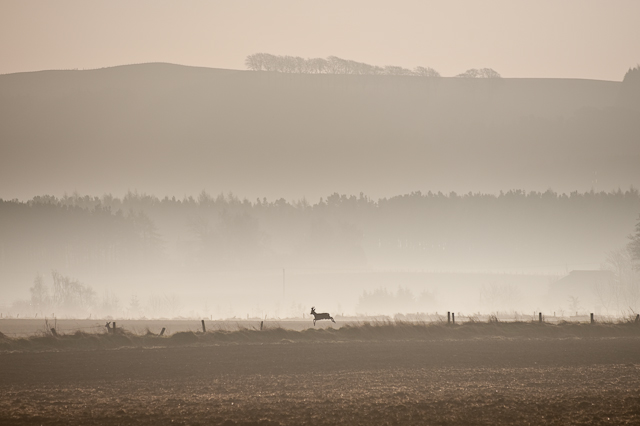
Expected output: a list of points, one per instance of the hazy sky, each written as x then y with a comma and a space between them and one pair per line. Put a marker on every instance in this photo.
540, 38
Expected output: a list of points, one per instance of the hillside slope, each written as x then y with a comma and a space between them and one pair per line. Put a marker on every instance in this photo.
170, 129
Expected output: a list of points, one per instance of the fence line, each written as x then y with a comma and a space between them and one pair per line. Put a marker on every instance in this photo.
451, 318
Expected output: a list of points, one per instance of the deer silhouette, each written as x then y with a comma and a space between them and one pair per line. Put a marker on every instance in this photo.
318, 317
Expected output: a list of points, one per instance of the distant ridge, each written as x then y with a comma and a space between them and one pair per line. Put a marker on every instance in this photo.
166, 128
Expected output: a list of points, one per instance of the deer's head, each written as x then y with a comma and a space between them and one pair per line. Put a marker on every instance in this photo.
313, 310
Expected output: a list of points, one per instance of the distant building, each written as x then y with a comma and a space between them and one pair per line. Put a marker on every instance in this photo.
586, 286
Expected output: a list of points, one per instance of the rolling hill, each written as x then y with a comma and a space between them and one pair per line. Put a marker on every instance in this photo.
175, 130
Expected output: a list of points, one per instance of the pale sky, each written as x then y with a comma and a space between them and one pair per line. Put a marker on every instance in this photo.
540, 38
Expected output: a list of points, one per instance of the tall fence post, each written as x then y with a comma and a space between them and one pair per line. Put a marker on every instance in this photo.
162, 331
591, 317
114, 327
453, 317
204, 329
261, 323
539, 316
448, 317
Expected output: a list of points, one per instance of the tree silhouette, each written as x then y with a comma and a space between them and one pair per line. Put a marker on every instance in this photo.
92, 236
40, 299
630, 88
479, 73
394, 70
426, 72
70, 295
634, 245
317, 65
330, 65
253, 62
632, 77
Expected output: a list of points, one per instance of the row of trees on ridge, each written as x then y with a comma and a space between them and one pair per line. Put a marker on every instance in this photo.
335, 65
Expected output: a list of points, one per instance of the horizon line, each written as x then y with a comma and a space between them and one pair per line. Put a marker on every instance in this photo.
293, 73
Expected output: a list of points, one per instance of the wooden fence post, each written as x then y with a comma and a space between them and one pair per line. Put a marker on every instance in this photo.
591, 317
114, 327
204, 329
453, 317
637, 317
448, 317
539, 316
162, 331
261, 323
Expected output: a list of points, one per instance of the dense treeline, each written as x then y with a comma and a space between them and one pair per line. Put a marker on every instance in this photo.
335, 65
418, 230
51, 232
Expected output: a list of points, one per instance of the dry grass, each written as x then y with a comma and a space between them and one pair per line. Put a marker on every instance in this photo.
365, 331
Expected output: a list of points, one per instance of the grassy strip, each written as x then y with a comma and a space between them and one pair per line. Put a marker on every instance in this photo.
367, 331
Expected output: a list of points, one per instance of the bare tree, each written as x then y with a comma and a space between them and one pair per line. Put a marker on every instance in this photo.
634, 246
622, 292
40, 299
269, 62
317, 65
479, 73
253, 63
489, 73
287, 64
330, 65
426, 72
134, 309
395, 70
471, 73
70, 295
336, 65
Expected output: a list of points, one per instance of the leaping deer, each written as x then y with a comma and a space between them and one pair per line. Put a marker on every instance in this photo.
318, 317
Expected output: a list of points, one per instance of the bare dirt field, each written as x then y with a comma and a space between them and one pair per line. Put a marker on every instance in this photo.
488, 380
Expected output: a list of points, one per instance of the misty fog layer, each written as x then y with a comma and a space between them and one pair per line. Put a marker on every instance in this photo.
411, 253
167, 129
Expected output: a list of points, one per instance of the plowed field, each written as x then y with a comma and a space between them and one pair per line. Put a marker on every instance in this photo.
479, 381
